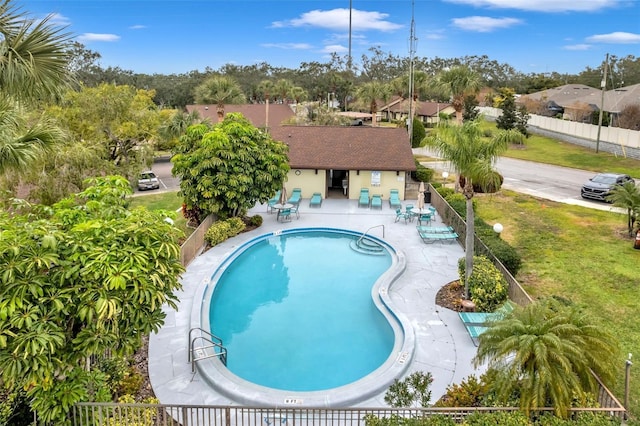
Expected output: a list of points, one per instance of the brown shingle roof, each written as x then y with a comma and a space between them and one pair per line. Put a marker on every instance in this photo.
255, 113
346, 147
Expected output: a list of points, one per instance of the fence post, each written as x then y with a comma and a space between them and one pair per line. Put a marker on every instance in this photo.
627, 376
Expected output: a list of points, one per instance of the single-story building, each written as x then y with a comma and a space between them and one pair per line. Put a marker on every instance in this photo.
336, 161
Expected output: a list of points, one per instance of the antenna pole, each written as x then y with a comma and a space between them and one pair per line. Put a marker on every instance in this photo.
603, 86
350, 12
412, 51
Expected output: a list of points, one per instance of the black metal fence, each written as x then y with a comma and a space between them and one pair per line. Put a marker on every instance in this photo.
93, 414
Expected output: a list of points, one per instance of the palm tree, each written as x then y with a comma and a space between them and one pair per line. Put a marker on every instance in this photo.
283, 89
459, 82
370, 93
472, 157
266, 88
20, 145
33, 56
547, 353
219, 90
627, 196
33, 66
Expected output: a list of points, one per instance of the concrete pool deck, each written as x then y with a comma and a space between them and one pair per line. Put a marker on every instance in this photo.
442, 345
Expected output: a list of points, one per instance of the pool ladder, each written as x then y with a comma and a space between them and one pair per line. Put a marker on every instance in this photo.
211, 347
367, 245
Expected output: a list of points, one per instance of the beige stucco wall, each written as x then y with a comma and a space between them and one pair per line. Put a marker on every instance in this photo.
388, 180
308, 181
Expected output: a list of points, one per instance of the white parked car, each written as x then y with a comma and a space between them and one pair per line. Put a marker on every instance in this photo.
148, 180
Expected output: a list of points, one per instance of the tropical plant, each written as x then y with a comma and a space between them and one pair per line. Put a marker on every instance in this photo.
547, 353
227, 168
472, 158
370, 93
627, 196
80, 278
487, 287
33, 67
219, 90
34, 56
459, 82
410, 391
267, 89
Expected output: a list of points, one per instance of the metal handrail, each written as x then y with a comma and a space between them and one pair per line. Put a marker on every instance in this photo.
364, 234
214, 342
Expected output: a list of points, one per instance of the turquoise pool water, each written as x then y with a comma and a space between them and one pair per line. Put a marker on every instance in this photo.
295, 312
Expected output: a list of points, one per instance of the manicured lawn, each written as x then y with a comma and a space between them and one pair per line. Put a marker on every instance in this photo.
580, 254
163, 201
551, 151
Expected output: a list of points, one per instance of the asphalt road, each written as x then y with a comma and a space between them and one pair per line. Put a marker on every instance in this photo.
561, 184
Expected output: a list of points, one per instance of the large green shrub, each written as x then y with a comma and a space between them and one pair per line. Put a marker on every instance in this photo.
424, 174
469, 393
502, 250
487, 287
445, 191
223, 230
458, 203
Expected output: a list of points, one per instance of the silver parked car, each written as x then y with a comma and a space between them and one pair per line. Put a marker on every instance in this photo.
148, 180
600, 186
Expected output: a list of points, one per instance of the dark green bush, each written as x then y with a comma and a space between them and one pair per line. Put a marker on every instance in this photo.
446, 192
424, 174
256, 220
501, 249
487, 287
458, 202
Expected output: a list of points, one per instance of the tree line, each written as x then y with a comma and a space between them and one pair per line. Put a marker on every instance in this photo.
335, 77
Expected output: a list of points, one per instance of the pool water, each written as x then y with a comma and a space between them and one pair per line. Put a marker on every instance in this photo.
295, 312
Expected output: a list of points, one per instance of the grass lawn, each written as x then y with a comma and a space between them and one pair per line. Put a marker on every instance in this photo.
163, 201
546, 150
580, 254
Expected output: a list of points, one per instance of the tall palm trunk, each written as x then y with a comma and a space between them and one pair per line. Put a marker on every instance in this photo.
469, 237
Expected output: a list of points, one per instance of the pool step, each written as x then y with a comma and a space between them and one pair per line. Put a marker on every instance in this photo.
367, 246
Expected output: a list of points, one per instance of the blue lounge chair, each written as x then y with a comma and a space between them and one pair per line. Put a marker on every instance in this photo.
434, 229
376, 202
429, 238
296, 196
316, 200
394, 199
274, 200
363, 201
477, 323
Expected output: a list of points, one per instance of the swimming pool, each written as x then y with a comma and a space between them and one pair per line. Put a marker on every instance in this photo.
344, 346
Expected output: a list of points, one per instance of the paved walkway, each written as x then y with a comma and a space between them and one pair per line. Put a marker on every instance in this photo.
442, 345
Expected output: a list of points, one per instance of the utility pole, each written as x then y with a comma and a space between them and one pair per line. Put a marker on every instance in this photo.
603, 86
350, 12
412, 52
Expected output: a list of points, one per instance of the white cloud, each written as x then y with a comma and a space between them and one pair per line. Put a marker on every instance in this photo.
338, 20
87, 37
615, 38
484, 24
58, 19
543, 5
334, 48
577, 47
137, 27
288, 46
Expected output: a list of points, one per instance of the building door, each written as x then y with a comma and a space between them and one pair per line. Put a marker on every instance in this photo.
338, 184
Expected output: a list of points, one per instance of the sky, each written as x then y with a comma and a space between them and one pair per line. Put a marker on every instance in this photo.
179, 36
